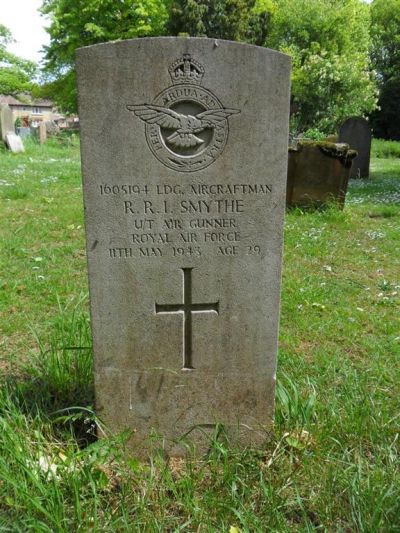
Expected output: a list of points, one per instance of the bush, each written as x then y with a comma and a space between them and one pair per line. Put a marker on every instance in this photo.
313, 134
385, 149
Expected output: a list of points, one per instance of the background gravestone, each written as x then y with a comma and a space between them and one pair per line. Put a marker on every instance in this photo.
14, 143
356, 132
42, 133
24, 132
6, 121
51, 128
184, 154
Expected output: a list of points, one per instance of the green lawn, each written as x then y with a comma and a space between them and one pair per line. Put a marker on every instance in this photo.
332, 463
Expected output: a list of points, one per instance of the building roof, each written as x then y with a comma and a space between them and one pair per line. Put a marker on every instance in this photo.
26, 100
9, 100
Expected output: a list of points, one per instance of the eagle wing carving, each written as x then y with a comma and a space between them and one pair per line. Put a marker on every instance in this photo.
155, 114
185, 126
212, 117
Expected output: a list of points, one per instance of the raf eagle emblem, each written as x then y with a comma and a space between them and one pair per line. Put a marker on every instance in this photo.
185, 126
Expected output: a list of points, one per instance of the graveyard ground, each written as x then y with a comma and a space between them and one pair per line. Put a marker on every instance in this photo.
332, 462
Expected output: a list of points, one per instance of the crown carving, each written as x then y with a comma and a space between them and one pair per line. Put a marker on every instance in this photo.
186, 70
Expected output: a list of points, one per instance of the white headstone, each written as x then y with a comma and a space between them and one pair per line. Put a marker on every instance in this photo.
14, 143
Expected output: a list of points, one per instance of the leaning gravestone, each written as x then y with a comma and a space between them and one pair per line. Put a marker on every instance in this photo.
356, 132
6, 121
184, 154
14, 143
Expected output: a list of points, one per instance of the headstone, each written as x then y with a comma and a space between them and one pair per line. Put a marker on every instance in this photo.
6, 121
24, 132
42, 133
52, 128
14, 143
318, 174
356, 132
184, 153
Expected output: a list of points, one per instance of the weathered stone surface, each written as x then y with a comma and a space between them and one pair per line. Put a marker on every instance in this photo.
24, 132
6, 121
184, 153
318, 173
52, 128
42, 133
356, 132
14, 143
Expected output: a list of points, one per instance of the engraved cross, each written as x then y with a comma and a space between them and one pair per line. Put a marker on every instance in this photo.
186, 309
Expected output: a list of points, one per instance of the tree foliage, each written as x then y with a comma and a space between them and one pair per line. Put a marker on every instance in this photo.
385, 31
386, 60
61, 89
236, 20
16, 74
386, 120
329, 42
76, 23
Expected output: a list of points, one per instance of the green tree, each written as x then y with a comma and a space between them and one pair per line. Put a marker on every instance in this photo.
386, 120
76, 23
16, 74
60, 89
329, 42
236, 20
386, 60
385, 31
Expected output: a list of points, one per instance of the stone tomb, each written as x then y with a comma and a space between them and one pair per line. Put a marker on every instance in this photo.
356, 132
6, 121
318, 174
184, 154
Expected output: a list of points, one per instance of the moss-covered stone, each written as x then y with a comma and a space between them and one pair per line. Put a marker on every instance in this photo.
318, 173
341, 151
331, 138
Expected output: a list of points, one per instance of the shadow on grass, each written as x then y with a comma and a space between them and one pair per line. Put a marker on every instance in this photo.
315, 207
56, 384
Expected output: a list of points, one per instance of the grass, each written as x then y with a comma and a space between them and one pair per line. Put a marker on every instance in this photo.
385, 149
332, 463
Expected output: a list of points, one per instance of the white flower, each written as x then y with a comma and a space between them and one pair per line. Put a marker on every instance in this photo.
46, 466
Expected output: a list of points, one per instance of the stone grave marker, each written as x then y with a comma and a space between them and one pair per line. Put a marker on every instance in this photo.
14, 143
52, 128
318, 174
24, 132
184, 157
42, 133
356, 132
6, 121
